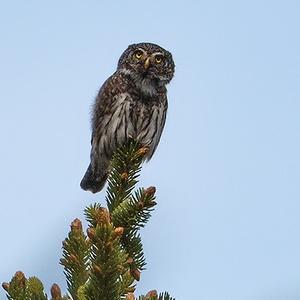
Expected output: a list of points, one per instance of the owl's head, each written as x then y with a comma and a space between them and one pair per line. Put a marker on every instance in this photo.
147, 62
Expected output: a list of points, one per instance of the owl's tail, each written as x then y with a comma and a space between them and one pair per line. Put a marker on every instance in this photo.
93, 181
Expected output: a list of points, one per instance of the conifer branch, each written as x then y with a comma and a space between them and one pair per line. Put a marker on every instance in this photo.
109, 274
21, 288
133, 244
130, 211
134, 212
76, 252
125, 168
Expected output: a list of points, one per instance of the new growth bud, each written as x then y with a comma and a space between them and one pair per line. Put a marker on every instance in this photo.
91, 233
151, 294
130, 296
130, 260
124, 176
143, 151
97, 270
150, 191
102, 216
119, 231
20, 278
55, 292
5, 286
136, 274
76, 225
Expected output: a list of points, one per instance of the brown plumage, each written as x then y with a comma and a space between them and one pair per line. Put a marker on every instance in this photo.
131, 104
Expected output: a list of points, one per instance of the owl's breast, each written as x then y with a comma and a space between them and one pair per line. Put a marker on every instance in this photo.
147, 122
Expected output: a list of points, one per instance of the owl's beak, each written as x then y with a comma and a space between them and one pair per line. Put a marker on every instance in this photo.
147, 63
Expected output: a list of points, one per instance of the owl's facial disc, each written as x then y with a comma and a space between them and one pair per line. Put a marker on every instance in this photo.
145, 60
148, 65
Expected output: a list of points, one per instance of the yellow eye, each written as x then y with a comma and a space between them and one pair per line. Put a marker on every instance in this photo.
158, 59
138, 54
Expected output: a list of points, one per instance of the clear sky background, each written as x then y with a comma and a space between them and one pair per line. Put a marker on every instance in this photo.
227, 169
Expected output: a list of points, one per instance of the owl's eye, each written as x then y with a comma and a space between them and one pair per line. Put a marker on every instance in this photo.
138, 54
158, 59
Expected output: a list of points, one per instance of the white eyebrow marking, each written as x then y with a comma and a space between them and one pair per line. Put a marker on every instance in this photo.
157, 53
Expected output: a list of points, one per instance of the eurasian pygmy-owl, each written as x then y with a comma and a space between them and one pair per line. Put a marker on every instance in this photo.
131, 104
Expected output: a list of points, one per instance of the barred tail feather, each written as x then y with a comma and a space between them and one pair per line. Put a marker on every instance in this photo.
93, 182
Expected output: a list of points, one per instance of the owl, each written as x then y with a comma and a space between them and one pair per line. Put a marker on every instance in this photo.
131, 104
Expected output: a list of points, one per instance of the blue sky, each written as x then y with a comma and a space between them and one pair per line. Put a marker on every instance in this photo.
227, 169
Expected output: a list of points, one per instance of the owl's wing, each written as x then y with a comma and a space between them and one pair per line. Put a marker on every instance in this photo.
107, 121
159, 125
110, 117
